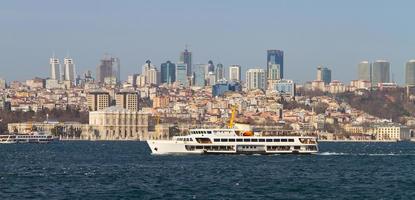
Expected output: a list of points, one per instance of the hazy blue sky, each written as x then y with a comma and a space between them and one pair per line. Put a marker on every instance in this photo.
336, 34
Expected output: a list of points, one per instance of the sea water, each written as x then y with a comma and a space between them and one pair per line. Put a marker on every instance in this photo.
127, 170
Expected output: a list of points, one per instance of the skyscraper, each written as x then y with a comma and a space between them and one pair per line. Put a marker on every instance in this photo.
150, 73
210, 67
116, 69
181, 74
186, 58
104, 69
410, 73
255, 79
235, 73
364, 71
54, 68
153, 76
199, 74
324, 74
275, 57
68, 69
380, 72
274, 72
168, 72
220, 72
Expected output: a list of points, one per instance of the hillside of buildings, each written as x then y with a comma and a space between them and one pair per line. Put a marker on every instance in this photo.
392, 104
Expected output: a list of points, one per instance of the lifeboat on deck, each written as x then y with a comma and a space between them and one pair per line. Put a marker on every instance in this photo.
248, 133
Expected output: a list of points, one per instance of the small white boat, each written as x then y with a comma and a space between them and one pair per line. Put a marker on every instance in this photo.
34, 137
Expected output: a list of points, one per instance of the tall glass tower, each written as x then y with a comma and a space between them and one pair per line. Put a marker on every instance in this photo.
186, 58
168, 72
410, 73
380, 72
324, 74
364, 71
275, 57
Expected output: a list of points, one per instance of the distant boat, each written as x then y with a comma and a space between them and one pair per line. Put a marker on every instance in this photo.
33, 137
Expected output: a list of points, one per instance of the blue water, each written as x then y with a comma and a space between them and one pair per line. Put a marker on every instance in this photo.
126, 170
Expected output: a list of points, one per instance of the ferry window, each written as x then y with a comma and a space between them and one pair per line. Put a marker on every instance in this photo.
209, 132
283, 140
239, 140
261, 140
296, 147
276, 140
269, 140
216, 140
223, 140
290, 140
255, 140
190, 139
247, 140
232, 140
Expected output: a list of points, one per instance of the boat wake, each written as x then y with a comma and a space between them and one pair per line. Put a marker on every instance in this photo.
362, 154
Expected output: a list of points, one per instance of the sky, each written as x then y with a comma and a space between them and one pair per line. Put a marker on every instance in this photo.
335, 34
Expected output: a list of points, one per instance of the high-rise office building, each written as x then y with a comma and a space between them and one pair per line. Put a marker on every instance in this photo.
275, 57
153, 76
168, 72
186, 58
210, 67
211, 80
274, 72
68, 70
199, 75
410, 73
364, 71
54, 68
181, 74
380, 72
127, 99
146, 67
98, 100
235, 73
255, 79
116, 69
324, 74
150, 73
104, 69
220, 72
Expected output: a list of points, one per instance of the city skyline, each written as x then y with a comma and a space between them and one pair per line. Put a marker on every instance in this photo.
308, 38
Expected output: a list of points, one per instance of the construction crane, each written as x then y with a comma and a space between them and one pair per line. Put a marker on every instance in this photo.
231, 121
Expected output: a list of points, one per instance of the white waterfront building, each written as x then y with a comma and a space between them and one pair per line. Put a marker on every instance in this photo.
115, 123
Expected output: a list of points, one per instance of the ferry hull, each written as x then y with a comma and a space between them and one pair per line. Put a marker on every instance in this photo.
169, 147
160, 147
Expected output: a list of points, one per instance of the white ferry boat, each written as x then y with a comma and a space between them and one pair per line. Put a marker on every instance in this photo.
231, 141
26, 138
241, 140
